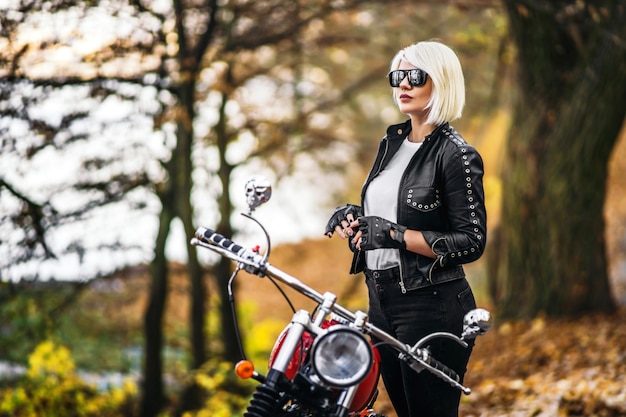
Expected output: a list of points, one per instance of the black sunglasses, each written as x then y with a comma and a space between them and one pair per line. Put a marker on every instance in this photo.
417, 77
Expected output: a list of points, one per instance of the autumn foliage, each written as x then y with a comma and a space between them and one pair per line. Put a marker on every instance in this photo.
574, 367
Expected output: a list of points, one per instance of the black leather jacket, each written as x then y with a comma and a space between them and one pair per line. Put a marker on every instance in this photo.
440, 194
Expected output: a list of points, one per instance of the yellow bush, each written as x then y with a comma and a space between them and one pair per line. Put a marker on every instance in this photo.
50, 360
51, 388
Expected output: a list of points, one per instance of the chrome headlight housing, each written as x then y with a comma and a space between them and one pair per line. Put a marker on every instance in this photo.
341, 357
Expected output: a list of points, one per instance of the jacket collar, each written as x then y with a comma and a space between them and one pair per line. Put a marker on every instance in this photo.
401, 130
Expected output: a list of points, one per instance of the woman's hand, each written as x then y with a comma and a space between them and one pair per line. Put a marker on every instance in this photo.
340, 220
375, 232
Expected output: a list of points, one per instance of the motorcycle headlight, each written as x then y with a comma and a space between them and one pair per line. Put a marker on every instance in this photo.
342, 357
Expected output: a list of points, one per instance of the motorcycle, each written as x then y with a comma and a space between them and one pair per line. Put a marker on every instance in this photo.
323, 363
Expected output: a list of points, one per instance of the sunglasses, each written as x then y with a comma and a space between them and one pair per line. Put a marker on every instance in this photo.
417, 77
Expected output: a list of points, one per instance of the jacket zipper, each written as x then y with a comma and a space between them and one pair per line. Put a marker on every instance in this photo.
439, 258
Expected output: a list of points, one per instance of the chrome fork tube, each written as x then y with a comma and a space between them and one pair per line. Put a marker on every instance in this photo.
299, 323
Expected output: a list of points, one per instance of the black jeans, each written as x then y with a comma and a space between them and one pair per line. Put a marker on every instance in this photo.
409, 317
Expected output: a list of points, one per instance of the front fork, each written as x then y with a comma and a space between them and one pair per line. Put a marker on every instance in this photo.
266, 399
299, 324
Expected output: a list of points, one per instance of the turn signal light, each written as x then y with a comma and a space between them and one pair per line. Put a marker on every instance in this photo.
244, 369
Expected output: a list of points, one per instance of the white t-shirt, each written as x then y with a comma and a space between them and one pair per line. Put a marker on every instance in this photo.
381, 199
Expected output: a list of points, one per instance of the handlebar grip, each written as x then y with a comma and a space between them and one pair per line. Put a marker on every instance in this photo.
443, 368
211, 237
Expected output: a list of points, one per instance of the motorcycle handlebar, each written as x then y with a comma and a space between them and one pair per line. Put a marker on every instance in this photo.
454, 377
230, 249
256, 264
213, 238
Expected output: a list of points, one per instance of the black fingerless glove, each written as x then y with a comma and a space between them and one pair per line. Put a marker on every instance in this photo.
341, 214
376, 233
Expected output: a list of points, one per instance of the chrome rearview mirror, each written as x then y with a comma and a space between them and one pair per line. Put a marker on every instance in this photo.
475, 323
258, 191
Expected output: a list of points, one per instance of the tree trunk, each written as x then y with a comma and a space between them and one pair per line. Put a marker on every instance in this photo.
191, 398
224, 267
153, 397
552, 257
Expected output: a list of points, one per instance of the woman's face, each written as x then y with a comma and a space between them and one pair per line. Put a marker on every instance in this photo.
413, 100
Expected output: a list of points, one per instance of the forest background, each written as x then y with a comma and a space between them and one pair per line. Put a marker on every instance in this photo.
127, 124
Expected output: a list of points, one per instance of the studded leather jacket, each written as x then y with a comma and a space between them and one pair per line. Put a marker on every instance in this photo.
440, 194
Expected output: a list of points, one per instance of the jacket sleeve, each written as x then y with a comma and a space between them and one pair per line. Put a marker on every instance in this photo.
462, 183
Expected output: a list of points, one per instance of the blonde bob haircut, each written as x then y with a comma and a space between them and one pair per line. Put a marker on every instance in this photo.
444, 69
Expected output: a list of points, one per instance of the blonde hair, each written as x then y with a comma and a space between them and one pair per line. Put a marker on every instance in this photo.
444, 69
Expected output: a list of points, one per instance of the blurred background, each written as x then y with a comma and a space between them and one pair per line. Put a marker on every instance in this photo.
124, 125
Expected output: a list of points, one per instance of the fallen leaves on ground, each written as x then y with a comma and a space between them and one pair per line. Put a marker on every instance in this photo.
550, 368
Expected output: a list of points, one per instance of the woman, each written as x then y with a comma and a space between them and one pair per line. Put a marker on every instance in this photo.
422, 216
